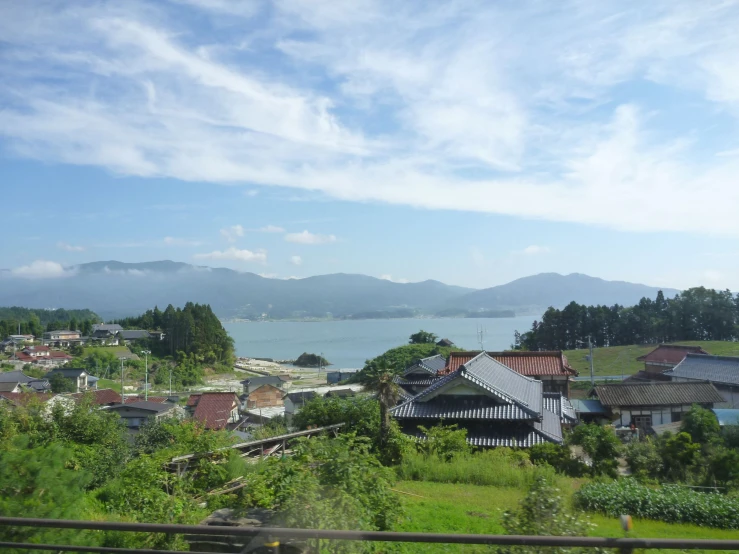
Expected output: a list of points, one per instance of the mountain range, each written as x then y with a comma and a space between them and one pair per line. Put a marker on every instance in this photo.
115, 289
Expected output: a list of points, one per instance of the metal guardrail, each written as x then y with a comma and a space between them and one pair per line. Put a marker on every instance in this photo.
623, 544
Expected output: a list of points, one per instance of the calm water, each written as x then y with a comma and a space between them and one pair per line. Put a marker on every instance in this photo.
347, 344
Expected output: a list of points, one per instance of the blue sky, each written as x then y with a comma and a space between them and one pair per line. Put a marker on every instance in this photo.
469, 142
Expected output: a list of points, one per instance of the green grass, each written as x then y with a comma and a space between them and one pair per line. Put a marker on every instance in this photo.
447, 508
616, 360
114, 349
110, 384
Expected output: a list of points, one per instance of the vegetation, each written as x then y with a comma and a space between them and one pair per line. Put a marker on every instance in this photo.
670, 503
311, 360
36, 321
59, 383
396, 360
423, 337
602, 446
695, 314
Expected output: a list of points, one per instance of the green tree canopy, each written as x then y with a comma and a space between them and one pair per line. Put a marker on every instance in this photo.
423, 337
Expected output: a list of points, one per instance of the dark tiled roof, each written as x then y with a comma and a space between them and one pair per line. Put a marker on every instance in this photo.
214, 409
133, 335
255, 382
431, 365
9, 386
468, 408
526, 363
670, 354
701, 367
16, 376
111, 327
39, 385
147, 406
301, 396
558, 404
645, 376
657, 394
398, 380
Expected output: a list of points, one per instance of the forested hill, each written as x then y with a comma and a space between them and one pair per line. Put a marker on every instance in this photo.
36, 321
192, 331
695, 314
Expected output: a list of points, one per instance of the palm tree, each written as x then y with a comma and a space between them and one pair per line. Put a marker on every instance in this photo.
387, 393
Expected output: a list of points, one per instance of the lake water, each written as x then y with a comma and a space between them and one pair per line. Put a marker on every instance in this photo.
347, 344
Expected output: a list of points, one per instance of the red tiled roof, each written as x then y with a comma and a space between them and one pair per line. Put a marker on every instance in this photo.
37, 348
24, 398
670, 354
214, 409
23, 357
192, 400
58, 354
101, 397
531, 364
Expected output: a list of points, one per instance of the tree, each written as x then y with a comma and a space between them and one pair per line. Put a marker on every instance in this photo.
680, 456
423, 337
387, 393
601, 444
701, 424
59, 384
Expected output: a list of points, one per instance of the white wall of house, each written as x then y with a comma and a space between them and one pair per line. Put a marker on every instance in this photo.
655, 415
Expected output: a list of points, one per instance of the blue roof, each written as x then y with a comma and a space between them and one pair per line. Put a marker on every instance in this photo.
727, 416
588, 406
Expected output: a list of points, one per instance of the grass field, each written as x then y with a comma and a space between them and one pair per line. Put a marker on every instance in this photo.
447, 508
616, 360
114, 349
109, 384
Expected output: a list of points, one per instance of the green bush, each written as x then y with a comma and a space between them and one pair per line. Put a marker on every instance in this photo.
444, 441
601, 444
559, 457
644, 460
670, 503
500, 467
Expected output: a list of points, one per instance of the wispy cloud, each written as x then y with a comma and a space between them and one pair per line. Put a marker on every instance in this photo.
69, 248
530, 110
307, 237
42, 269
296, 260
234, 254
232, 233
271, 229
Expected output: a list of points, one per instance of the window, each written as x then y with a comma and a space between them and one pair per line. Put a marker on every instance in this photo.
676, 416
643, 421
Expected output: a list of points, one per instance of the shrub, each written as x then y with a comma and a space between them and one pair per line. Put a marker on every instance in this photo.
444, 441
644, 460
601, 444
670, 503
701, 424
559, 457
680, 456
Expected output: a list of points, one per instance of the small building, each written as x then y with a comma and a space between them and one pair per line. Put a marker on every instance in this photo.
9, 386
495, 404
590, 410
253, 383
78, 376
721, 371
132, 336
31, 384
445, 343
421, 374
215, 410
339, 375
264, 396
157, 335
654, 403
112, 328
137, 413
294, 401
665, 357
551, 368
22, 338
341, 393
61, 338
37, 351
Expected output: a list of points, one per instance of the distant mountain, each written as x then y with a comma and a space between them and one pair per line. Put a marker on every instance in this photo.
536, 293
115, 289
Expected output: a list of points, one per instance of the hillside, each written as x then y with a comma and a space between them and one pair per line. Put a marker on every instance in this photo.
534, 294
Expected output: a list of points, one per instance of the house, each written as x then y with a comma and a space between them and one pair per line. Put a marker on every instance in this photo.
264, 396
253, 383
78, 376
421, 374
495, 404
9, 386
37, 351
215, 410
341, 393
111, 328
445, 343
157, 335
339, 375
551, 368
294, 401
129, 337
665, 357
23, 399
590, 410
722, 371
137, 413
10, 345
653, 403
100, 397
22, 338
61, 338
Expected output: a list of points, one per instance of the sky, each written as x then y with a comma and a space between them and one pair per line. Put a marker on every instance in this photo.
468, 142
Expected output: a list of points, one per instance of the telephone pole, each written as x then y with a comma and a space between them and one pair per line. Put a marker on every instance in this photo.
146, 373
590, 345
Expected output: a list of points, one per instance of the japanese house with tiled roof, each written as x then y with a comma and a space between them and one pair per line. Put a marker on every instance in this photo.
495, 404
551, 368
667, 356
721, 371
653, 403
215, 410
420, 374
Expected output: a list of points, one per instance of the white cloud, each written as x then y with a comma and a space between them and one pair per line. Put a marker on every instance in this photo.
175, 241
251, 192
42, 269
534, 250
268, 275
535, 111
388, 277
132, 272
232, 233
69, 248
234, 254
307, 237
296, 260
271, 229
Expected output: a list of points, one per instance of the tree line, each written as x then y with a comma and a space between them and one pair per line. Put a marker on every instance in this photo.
695, 314
193, 331
36, 321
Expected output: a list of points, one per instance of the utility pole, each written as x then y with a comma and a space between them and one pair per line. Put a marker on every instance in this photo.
170, 380
481, 337
146, 373
590, 345
123, 398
